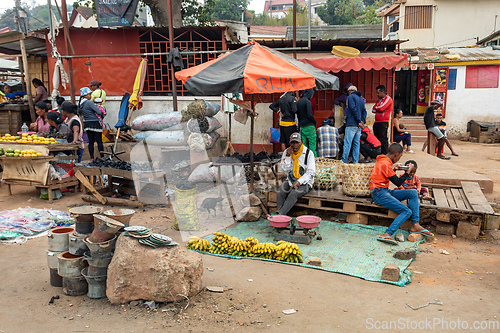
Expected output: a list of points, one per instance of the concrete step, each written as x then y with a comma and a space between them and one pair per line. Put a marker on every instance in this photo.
411, 127
412, 120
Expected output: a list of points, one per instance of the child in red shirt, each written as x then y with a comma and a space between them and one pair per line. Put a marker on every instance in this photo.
413, 182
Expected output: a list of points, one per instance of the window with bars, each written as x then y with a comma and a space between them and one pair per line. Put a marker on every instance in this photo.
159, 75
418, 17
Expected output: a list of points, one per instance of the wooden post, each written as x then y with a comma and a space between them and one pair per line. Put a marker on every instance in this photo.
66, 44
27, 79
252, 126
171, 45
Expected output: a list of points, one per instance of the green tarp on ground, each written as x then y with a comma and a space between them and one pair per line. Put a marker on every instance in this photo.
350, 249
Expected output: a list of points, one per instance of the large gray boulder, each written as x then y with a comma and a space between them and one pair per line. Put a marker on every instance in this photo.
140, 272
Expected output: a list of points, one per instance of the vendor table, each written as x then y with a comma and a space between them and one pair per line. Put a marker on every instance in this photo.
34, 171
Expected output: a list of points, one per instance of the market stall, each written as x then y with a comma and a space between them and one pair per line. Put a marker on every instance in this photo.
47, 165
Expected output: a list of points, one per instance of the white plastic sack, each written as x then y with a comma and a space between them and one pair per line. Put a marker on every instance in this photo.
202, 174
168, 138
156, 121
212, 109
203, 125
200, 142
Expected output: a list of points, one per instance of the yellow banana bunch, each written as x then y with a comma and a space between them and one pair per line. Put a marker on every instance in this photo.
288, 252
197, 243
238, 247
252, 241
264, 250
220, 243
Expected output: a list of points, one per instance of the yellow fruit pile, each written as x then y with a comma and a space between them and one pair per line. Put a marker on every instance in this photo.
197, 243
264, 250
27, 153
250, 247
288, 252
220, 243
25, 138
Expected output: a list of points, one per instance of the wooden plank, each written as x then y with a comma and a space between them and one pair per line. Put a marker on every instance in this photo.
114, 201
91, 188
458, 198
440, 197
476, 198
449, 197
466, 202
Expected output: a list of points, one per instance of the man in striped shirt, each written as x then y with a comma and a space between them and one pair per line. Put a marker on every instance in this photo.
383, 111
328, 139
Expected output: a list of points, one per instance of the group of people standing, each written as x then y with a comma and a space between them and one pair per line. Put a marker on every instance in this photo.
70, 120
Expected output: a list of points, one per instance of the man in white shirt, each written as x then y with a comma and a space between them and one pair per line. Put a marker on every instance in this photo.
298, 163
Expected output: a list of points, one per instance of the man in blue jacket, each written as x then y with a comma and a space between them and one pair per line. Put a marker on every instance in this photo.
355, 121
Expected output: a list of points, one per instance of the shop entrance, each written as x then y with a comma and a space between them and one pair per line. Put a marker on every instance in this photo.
412, 89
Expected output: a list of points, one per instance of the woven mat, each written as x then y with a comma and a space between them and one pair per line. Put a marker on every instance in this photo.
350, 249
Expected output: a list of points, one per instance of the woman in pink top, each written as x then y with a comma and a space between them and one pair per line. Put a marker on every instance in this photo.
41, 94
41, 125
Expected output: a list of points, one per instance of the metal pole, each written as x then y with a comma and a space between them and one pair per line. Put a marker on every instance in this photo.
137, 54
294, 28
64, 19
252, 127
171, 43
309, 26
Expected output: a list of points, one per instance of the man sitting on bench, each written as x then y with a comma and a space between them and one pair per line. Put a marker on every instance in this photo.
382, 173
298, 163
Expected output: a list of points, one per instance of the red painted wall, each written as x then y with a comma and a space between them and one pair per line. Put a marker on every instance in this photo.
117, 74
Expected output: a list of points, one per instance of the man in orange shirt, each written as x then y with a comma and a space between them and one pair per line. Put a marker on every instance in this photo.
382, 174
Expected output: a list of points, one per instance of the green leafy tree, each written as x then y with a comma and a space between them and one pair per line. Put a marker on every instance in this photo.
301, 16
229, 9
7, 20
265, 19
338, 12
369, 16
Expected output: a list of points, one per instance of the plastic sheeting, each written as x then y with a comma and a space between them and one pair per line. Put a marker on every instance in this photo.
336, 64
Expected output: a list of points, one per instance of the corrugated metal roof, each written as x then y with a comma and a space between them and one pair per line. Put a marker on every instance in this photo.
33, 44
465, 53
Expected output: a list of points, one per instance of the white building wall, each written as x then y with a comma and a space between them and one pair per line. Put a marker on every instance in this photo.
463, 105
455, 23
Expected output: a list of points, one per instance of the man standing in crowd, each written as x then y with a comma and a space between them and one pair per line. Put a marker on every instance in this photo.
383, 111
298, 163
307, 122
355, 121
431, 126
328, 139
287, 105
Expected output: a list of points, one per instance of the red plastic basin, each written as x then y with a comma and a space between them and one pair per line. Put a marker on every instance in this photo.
279, 221
308, 221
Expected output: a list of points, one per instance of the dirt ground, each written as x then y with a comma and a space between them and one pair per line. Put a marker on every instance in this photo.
467, 282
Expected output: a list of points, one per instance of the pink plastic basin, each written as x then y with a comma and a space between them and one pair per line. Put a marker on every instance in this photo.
279, 221
308, 221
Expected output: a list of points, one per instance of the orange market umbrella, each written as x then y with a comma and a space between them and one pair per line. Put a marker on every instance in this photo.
254, 69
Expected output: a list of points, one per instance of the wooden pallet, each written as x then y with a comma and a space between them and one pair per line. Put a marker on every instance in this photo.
467, 198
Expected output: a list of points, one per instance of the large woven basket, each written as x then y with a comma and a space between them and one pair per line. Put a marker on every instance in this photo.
328, 173
356, 179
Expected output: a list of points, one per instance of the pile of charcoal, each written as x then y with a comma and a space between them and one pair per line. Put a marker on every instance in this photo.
107, 163
260, 157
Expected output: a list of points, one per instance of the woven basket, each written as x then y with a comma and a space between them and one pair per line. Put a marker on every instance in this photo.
356, 179
328, 173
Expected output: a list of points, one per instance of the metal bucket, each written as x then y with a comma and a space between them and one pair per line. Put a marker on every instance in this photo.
76, 244
104, 228
96, 285
59, 239
97, 262
70, 265
122, 215
97, 271
100, 250
52, 261
55, 278
84, 228
84, 213
74, 286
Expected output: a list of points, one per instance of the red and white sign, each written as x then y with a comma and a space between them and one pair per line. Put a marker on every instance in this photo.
430, 66
413, 67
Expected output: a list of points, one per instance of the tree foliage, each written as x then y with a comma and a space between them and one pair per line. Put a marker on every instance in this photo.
265, 19
38, 17
345, 12
229, 9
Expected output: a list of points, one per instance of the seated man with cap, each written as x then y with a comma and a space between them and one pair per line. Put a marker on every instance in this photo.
298, 163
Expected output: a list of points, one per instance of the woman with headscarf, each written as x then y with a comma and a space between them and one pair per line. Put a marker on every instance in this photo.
41, 94
90, 113
41, 125
74, 124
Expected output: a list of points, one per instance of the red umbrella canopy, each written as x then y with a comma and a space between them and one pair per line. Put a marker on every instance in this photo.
254, 69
